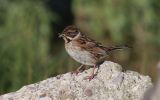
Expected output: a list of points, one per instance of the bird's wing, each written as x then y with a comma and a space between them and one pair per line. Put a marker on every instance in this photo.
91, 45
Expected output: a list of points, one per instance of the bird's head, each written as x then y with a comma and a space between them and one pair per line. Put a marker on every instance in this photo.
70, 33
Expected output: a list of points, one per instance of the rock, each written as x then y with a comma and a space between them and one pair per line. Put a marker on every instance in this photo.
153, 93
109, 84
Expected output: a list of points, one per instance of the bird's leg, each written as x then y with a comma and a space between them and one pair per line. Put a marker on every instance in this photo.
92, 74
78, 69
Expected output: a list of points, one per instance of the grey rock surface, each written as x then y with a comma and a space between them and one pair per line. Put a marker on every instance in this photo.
109, 84
153, 93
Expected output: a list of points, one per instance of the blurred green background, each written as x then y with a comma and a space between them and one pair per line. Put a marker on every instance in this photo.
30, 50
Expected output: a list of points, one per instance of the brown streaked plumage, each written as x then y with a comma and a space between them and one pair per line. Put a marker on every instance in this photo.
84, 49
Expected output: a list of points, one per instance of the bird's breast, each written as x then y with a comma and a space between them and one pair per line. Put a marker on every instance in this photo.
80, 55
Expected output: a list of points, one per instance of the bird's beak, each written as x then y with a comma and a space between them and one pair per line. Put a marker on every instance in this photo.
61, 35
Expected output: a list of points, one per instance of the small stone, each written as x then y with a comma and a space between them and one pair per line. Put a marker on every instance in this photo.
88, 92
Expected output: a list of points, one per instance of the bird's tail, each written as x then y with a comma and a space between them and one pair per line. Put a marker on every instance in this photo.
112, 48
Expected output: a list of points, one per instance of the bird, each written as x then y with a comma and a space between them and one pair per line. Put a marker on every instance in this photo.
85, 50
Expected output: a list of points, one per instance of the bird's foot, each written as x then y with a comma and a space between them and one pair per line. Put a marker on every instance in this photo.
90, 77
75, 72
79, 69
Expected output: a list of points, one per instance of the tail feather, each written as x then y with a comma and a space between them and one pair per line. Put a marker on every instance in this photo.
108, 49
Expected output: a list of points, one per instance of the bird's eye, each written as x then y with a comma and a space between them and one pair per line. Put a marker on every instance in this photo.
72, 34
76, 31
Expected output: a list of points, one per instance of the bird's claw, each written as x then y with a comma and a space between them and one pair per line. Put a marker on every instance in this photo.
90, 77
75, 72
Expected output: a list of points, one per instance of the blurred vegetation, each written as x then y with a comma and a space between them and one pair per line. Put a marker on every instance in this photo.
24, 34
124, 22
26, 31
